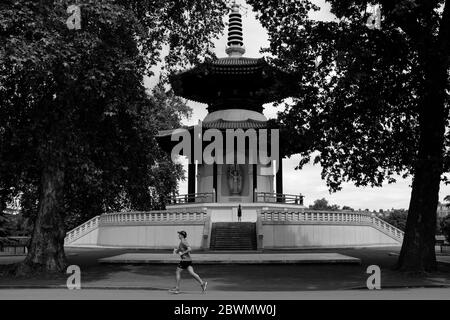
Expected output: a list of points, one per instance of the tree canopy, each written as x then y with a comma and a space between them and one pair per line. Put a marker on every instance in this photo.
77, 125
397, 218
322, 204
375, 105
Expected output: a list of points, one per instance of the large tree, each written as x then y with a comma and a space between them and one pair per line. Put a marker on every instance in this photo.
322, 204
74, 111
132, 173
372, 100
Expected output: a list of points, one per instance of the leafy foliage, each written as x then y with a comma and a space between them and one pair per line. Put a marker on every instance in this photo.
3, 225
445, 227
77, 98
359, 108
322, 204
377, 105
397, 218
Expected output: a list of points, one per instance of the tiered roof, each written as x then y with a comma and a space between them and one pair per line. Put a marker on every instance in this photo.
233, 82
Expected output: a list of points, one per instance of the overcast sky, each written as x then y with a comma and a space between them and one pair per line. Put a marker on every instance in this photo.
308, 180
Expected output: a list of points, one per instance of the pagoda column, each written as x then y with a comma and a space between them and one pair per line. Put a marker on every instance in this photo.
215, 180
279, 178
191, 179
191, 174
255, 181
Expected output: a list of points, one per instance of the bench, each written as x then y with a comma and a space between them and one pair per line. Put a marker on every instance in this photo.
441, 242
14, 245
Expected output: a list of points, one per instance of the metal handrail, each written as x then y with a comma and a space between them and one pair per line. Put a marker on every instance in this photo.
279, 197
201, 197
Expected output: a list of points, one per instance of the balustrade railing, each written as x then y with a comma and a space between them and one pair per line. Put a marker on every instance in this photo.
331, 217
153, 216
279, 197
82, 229
205, 197
134, 218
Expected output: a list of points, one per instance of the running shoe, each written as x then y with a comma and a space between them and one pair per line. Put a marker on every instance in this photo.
205, 283
174, 290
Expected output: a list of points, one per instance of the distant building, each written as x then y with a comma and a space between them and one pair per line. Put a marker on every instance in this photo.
443, 210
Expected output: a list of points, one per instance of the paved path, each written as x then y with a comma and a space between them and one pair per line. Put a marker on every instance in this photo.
235, 258
96, 294
140, 280
442, 259
11, 259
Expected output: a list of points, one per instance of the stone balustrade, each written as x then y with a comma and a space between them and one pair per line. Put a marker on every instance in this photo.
135, 218
329, 217
153, 216
82, 229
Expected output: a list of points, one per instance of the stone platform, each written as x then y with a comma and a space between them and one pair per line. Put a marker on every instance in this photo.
234, 258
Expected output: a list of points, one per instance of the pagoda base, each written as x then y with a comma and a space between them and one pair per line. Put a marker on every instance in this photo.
277, 226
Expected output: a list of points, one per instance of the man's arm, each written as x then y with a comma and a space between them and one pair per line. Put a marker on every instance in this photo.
188, 249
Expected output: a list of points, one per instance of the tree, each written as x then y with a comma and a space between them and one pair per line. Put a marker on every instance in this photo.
73, 108
376, 105
348, 208
397, 218
147, 174
445, 227
322, 204
447, 200
4, 232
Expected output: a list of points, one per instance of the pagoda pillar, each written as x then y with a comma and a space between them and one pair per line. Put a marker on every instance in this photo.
255, 181
191, 175
191, 181
279, 178
215, 180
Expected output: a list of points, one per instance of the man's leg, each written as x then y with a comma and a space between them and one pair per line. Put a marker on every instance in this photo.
178, 277
194, 275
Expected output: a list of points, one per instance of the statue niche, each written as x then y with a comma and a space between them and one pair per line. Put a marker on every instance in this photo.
234, 175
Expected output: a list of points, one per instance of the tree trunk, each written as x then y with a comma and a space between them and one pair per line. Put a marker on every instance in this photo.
418, 249
46, 251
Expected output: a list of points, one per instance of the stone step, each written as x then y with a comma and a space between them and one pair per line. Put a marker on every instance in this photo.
233, 249
229, 236
229, 239
226, 243
233, 236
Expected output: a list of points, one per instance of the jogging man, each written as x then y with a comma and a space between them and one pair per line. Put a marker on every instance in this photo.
184, 250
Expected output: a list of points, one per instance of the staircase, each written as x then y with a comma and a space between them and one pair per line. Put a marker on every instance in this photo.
233, 236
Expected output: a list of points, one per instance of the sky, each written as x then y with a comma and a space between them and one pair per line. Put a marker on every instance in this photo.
307, 181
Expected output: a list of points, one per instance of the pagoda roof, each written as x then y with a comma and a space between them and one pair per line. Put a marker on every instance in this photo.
164, 136
233, 82
238, 61
243, 124
219, 124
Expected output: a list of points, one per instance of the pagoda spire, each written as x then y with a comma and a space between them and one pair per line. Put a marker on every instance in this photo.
235, 45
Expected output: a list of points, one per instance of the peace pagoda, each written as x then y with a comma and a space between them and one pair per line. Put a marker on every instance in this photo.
234, 88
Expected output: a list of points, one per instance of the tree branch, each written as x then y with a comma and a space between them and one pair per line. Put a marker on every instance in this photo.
444, 31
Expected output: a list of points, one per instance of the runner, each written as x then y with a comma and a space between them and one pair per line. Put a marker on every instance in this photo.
184, 250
